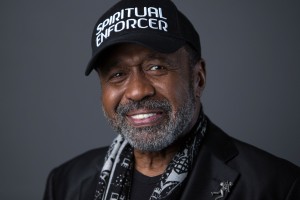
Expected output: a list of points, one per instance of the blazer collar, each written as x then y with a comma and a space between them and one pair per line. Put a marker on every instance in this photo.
210, 169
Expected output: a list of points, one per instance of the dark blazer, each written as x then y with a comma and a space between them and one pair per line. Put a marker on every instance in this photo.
254, 174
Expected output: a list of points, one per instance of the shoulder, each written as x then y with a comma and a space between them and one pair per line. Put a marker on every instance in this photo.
259, 168
87, 163
75, 177
256, 167
244, 154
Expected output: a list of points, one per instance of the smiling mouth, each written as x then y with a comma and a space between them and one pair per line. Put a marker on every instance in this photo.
145, 119
143, 116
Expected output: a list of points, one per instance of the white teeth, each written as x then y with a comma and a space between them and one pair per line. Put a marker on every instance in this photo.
143, 116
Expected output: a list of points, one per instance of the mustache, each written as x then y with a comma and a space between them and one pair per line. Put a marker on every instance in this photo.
149, 104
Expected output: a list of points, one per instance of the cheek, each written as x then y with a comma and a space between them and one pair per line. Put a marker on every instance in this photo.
175, 90
110, 100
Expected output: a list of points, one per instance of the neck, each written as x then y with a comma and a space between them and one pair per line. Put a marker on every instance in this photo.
154, 163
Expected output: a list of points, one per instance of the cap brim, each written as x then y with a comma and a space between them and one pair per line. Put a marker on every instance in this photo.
160, 43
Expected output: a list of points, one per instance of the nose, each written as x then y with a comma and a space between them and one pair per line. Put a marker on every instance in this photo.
139, 87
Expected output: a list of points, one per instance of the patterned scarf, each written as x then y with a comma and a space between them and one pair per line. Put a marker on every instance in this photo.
115, 177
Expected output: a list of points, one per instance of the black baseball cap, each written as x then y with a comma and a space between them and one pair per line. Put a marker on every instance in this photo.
155, 24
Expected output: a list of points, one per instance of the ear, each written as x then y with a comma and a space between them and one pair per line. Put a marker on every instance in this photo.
199, 77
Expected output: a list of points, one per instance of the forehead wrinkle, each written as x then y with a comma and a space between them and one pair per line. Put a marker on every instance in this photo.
160, 56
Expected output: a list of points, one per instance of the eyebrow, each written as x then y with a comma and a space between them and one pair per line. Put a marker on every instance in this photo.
110, 64
151, 56
159, 56
106, 66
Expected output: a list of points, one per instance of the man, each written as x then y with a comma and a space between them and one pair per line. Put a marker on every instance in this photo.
148, 58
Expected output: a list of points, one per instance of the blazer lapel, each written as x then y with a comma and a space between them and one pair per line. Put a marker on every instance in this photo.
88, 188
210, 173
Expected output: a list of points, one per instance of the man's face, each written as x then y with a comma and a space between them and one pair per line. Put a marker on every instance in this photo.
149, 97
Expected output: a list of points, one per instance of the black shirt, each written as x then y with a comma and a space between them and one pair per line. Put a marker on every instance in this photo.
142, 186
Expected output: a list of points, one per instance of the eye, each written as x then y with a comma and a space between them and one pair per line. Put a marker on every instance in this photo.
156, 70
156, 67
116, 77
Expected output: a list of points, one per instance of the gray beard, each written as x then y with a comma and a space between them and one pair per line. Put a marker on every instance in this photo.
154, 138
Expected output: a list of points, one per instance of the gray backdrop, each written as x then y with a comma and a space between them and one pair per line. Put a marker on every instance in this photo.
51, 112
